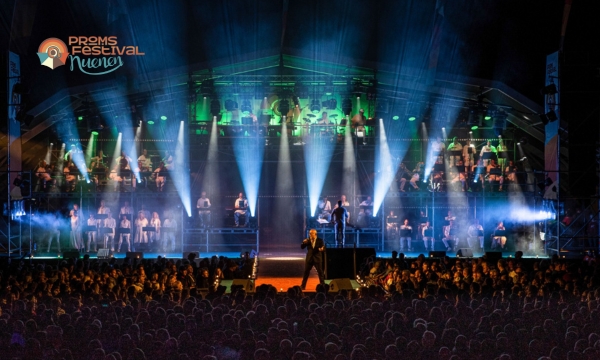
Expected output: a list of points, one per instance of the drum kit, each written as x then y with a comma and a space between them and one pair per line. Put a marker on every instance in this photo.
318, 128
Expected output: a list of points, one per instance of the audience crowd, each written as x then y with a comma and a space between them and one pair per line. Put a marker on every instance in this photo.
408, 308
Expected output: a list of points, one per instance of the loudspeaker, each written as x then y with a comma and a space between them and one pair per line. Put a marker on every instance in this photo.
247, 284
493, 255
340, 284
340, 262
187, 253
103, 253
134, 254
464, 252
437, 254
71, 255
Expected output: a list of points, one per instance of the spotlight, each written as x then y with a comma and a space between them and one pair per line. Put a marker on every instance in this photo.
413, 111
474, 127
395, 117
347, 106
412, 118
283, 107
330, 104
470, 132
315, 107
549, 89
163, 118
215, 107
230, 105
246, 107
550, 116
150, 122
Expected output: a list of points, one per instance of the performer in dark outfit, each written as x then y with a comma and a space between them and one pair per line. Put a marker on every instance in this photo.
339, 218
314, 256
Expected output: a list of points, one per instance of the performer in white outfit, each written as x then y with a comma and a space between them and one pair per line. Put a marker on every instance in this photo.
124, 224
169, 235
141, 236
155, 223
473, 235
92, 236
74, 214
110, 224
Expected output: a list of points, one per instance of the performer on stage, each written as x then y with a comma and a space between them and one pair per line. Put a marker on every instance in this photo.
437, 150
450, 240
168, 160
141, 222
103, 209
159, 177
511, 176
43, 173
75, 228
92, 236
391, 225
110, 224
494, 175
366, 209
70, 179
146, 162
502, 151
339, 218
427, 234
324, 209
414, 177
486, 149
203, 205
155, 223
455, 145
475, 235
54, 232
315, 248
405, 235
241, 208
170, 226
124, 224
126, 209
346, 204
468, 155
497, 239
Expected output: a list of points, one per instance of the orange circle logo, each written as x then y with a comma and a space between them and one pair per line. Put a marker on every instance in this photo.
53, 53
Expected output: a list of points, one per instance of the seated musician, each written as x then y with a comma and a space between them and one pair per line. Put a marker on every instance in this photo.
43, 173
144, 161
499, 237
454, 152
391, 226
366, 209
450, 240
70, 178
511, 175
413, 177
324, 207
241, 208
159, 176
405, 235
427, 234
436, 180
494, 174
437, 150
475, 235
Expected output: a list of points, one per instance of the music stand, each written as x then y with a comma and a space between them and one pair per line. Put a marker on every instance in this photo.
393, 220
128, 216
206, 203
489, 155
500, 233
428, 233
453, 231
405, 232
90, 228
101, 216
438, 167
149, 228
479, 232
424, 220
124, 231
240, 204
460, 168
124, 172
455, 152
495, 171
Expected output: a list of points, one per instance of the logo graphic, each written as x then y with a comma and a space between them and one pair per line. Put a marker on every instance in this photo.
53, 53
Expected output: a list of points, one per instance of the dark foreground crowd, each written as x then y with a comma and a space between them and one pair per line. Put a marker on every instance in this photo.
413, 309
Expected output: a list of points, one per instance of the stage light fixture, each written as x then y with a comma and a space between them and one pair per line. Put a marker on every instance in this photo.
215, 107
412, 118
246, 107
550, 116
207, 88
230, 105
347, 106
395, 117
329, 104
315, 107
150, 122
163, 118
283, 107
549, 89
328, 89
80, 118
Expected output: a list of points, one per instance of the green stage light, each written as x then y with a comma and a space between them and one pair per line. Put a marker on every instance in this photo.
487, 117
80, 118
395, 117
412, 118
474, 127
94, 133
150, 122
163, 117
